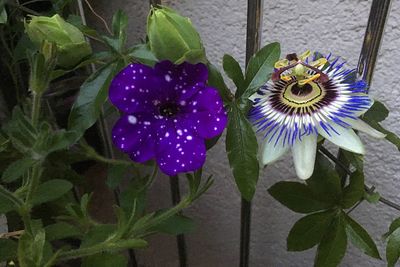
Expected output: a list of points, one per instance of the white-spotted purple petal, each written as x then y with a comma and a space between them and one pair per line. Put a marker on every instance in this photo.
168, 111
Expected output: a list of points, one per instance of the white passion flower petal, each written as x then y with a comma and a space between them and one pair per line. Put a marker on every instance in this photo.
344, 138
304, 152
361, 126
271, 151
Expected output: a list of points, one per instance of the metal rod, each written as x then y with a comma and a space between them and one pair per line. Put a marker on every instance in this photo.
385, 201
372, 39
180, 239
253, 42
370, 48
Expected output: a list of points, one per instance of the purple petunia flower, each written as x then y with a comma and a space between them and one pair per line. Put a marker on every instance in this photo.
167, 112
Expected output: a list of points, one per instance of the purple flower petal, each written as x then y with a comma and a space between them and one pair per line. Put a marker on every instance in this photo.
135, 89
206, 114
183, 80
169, 112
180, 151
133, 133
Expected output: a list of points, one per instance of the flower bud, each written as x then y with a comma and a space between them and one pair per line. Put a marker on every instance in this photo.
71, 44
173, 37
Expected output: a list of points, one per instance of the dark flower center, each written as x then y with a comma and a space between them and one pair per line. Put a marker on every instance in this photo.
301, 90
169, 109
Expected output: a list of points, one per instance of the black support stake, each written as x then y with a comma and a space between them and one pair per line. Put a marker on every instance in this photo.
253, 41
180, 239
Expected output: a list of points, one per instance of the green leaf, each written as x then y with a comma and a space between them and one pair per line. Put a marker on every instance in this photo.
60, 230
360, 238
143, 54
393, 248
92, 95
393, 226
378, 112
105, 260
51, 190
260, 68
216, 80
354, 192
175, 225
119, 25
241, 147
17, 169
325, 182
8, 249
309, 230
298, 197
356, 160
5, 205
115, 175
390, 136
234, 72
333, 245
3, 13
98, 234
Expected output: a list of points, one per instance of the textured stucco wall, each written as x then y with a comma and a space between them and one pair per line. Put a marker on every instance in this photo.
334, 26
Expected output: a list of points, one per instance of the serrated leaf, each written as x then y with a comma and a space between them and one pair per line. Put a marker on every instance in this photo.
260, 68
17, 169
333, 245
377, 112
354, 192
234, 72
360, 237
216, 80
393, 248
105, 260
298, 197
92, 95
325, 182
51, 190
241, 147
309, 230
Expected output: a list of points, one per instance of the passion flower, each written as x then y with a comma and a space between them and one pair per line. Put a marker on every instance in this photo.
167, 113
306, 97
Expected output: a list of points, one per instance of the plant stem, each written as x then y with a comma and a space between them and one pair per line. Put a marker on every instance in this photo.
105, 246
36, 108
33, 182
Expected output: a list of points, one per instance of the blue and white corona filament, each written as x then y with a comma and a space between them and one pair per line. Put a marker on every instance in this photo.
309, 96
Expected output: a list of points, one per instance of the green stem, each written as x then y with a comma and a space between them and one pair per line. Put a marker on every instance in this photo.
36, 108
98, 248
33, 182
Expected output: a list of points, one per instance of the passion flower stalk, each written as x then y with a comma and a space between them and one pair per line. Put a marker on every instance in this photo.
71, 44
167, 113
306, 97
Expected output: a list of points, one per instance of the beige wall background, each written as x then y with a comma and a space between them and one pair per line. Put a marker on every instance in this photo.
335, 26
